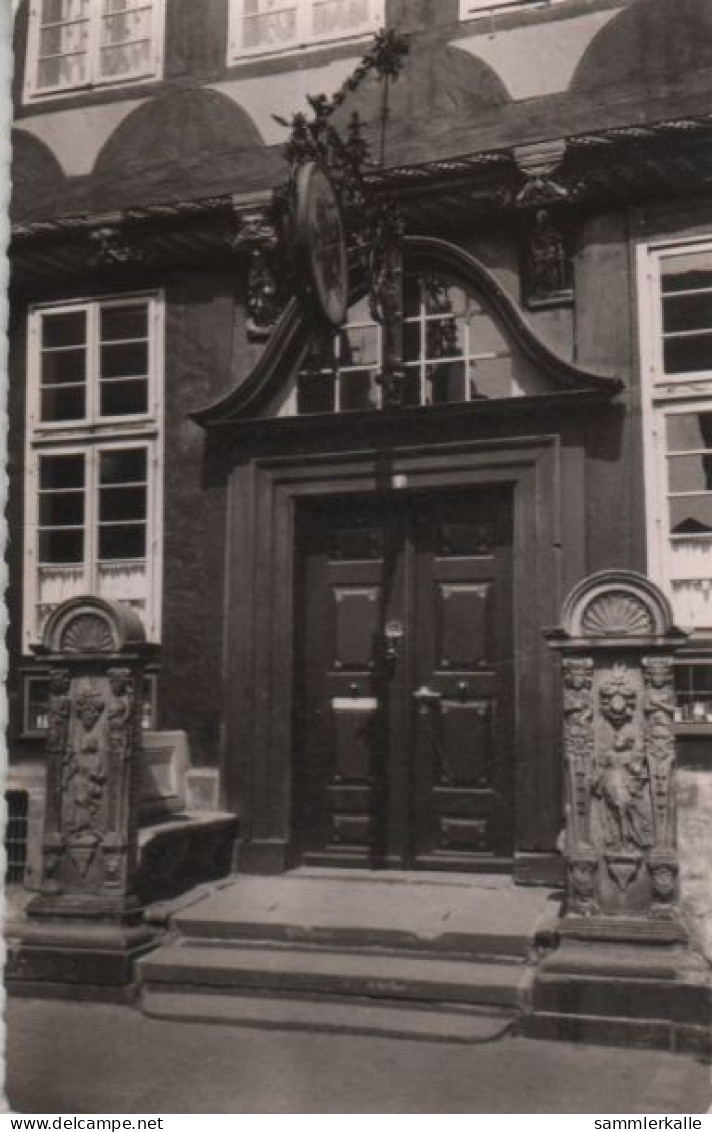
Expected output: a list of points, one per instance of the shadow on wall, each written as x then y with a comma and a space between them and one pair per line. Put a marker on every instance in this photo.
439, 88
38, 180
189, 143
651, 43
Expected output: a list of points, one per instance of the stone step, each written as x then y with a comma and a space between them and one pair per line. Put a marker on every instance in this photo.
352, 1016
402, 977
415, 912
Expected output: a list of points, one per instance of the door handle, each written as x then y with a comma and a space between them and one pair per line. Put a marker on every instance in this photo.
426, 697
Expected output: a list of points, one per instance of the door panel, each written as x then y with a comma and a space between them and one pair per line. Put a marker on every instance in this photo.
463, 649
403, 745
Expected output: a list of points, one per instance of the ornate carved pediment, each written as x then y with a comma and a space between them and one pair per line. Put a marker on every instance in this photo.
289, 341
92, 625
617, 604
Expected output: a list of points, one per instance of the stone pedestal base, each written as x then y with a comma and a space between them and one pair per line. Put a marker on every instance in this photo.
627, 981
58, 952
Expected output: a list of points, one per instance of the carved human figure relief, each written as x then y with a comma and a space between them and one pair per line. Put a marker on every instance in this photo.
620, 781
579, 739
659, 709
85, 772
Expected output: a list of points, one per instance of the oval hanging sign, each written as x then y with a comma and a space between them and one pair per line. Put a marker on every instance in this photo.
320, 244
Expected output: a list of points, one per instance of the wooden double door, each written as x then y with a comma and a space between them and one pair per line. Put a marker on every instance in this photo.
404, 728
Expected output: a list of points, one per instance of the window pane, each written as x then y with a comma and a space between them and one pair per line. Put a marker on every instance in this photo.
687, 312
124, 322
60, 366
688, 355
686, 431
334, 16
124, 360
61, 403
124, 27
358, 391
315, 393
122, 503
446, 382
62, 509
688, 271
123, 398
123, 465
59, 11
131, 59
272, 29
691, 515
61, 546
122, 542
411, 386
690, 473
358, 346
61, 472
64, 329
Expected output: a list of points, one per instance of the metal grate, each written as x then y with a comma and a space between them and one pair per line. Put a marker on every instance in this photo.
16, 836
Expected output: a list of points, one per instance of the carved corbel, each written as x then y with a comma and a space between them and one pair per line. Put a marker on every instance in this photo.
537, 164
545, 248
111, 248
258, 238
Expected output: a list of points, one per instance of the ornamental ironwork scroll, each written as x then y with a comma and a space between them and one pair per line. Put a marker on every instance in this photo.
617, 642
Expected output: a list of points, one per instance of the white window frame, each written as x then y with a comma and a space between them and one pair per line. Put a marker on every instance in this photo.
94, 79
92, 416
89, 437
474, 9
662, 396
304, 37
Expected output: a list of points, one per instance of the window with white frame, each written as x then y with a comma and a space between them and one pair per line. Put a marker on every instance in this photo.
469, 9
266, 26
94, 457
75, 44
676, 324
454, 350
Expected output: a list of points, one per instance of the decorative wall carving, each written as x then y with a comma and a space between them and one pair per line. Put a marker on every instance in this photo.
93, 742
660, 741
546, 264
266, 274
617, 613
87, 633
579, 741
619, 748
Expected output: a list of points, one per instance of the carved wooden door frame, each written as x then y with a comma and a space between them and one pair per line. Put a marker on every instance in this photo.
262, 498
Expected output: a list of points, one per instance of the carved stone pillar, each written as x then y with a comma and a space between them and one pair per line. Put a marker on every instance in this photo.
622, 953
85, 925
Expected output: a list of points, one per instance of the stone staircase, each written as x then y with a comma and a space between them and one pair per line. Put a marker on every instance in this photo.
411, 955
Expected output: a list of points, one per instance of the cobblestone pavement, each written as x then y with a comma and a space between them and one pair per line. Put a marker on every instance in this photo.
68, 1057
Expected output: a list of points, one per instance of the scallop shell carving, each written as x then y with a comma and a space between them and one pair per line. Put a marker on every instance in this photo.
87, 633
617, 615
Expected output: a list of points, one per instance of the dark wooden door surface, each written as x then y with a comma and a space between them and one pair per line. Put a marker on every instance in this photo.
403, 727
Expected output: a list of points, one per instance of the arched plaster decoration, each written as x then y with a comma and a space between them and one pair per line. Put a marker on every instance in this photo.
37, 176
439, 88
537, 59
649, 41
187, 126
289, 341
77, 135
